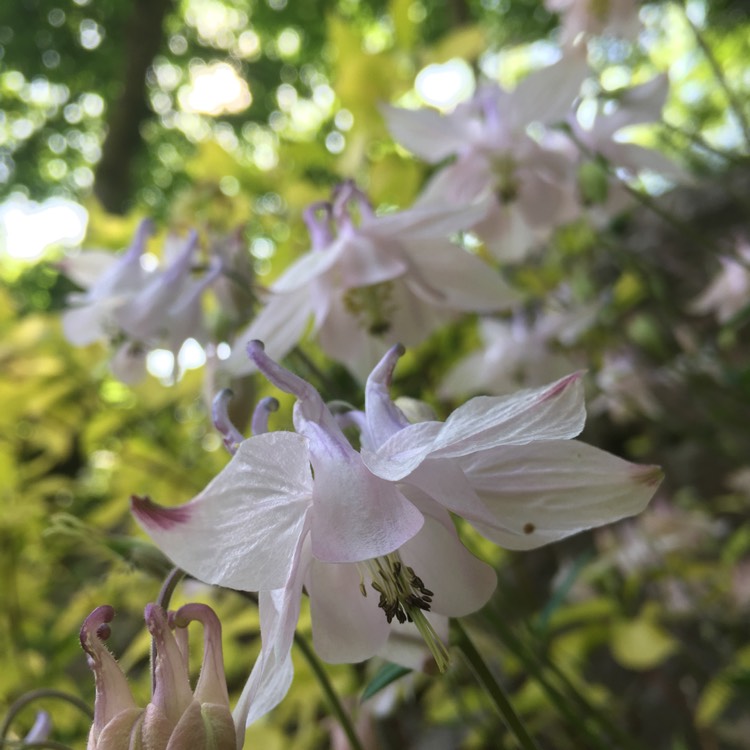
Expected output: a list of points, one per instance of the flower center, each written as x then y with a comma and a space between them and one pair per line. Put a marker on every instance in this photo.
372, 306
404, 596
504, 168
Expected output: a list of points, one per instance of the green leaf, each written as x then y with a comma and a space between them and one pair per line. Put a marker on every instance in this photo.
387, 674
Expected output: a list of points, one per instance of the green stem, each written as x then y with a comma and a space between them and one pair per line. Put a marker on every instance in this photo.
535, 668
493, 688
333, 699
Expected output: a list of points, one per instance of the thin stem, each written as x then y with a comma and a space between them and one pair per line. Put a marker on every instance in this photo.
493, 688
535, 666
34, 695
734, 102
333, 699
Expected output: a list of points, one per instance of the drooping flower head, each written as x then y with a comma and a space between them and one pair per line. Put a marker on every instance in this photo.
135, 309
519, 187
177, 716
370, 281
306, 510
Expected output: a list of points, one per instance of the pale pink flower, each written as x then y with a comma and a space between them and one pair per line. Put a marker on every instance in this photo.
365, 286
304, 509
519, 353
134, 309
625, 393
524, 183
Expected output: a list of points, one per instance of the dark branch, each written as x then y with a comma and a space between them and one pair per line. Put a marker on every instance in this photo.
113, 185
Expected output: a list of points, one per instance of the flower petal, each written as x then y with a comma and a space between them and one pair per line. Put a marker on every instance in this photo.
272, 674
240, 532
549, 490
347, 627
279, 325
356, 515
460, 582
426, 133
550, 413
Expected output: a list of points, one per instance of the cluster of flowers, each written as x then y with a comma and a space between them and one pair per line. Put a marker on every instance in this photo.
365, 528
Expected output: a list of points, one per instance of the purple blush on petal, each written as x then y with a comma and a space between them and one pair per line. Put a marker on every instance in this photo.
152, 514
560, 386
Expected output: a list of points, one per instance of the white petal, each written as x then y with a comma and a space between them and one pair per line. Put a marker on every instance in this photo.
272, 674
466, 283
85, 268
355, 515
426, 133
426, 222
461, 583
279, 325
549, 490
550, 413
547, 95
310, 266
241, 531
347, 627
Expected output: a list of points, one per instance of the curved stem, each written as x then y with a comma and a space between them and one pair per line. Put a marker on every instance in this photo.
34, 695
333, 699
493, 688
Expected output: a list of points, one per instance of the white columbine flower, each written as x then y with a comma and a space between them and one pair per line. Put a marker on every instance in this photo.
306, 509
135, 309
523, 183
368, 284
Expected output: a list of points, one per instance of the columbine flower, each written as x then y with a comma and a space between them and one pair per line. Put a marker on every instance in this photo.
368, 284
524, 185
305, 509
135, 309
177, 717
519, 353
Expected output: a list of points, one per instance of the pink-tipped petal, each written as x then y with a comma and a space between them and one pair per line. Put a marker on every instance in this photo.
553, 412
241, 530
546, 491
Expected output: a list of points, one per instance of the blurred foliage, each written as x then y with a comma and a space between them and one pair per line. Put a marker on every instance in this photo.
633, 636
